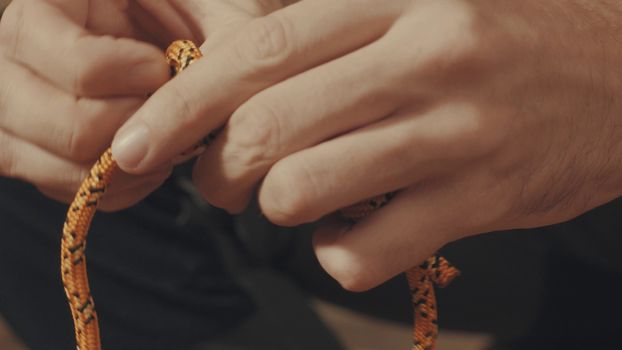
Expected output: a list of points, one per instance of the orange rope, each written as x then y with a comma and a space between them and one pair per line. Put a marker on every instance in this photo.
421, 279
179, 55
73, 245
73, 261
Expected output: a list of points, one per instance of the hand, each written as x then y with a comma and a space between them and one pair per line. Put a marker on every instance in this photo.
72, 72
483, 115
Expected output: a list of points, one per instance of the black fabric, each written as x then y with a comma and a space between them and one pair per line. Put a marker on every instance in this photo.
170, 273
157, 282
581, 289
595, 237
580, 309
582, 302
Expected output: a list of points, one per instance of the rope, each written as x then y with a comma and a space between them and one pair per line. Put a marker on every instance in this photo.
180, 55
421, 279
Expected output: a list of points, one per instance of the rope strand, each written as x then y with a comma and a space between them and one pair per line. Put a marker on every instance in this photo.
180, 55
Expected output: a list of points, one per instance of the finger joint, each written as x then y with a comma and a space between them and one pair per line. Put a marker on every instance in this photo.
265, 44
255, 131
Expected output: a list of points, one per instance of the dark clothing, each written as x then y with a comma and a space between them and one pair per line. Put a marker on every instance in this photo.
565, 284
582, 286
174, 273
165, 274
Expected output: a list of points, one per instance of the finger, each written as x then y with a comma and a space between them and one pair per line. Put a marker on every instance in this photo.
412, 227
150, 28
133, 196
287, 117
173, 20
268, 50
100, 17
42, 37
124, 191
76, 129
25, 161
108, 18
380, 158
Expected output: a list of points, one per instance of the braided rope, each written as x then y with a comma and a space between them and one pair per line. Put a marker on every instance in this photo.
421, 279
73, 245
180, 55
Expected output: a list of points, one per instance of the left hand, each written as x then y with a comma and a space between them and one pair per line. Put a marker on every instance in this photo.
484, 115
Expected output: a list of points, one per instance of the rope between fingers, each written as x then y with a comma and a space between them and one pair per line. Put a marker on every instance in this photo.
180, 55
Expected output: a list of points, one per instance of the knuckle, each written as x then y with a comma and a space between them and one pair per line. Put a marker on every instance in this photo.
453, 54
186, 116
472, 133
81, 145
460, 44
286, 195
84, 72
92, 127
265, 43
77, 142
254, 131
483, 135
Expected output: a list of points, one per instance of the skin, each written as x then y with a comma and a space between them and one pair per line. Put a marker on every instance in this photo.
74, 71
483, 115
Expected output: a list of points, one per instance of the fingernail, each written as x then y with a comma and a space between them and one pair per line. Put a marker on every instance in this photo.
130, 146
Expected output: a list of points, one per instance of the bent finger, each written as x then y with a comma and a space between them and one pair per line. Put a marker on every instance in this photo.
77, 129
22, 160
400, 235
265, 52
25, 161
297, 113
382, 157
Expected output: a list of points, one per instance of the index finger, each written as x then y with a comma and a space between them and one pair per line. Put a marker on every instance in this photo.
268, 50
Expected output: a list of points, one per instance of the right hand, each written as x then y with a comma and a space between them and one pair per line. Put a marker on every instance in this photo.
72, 72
